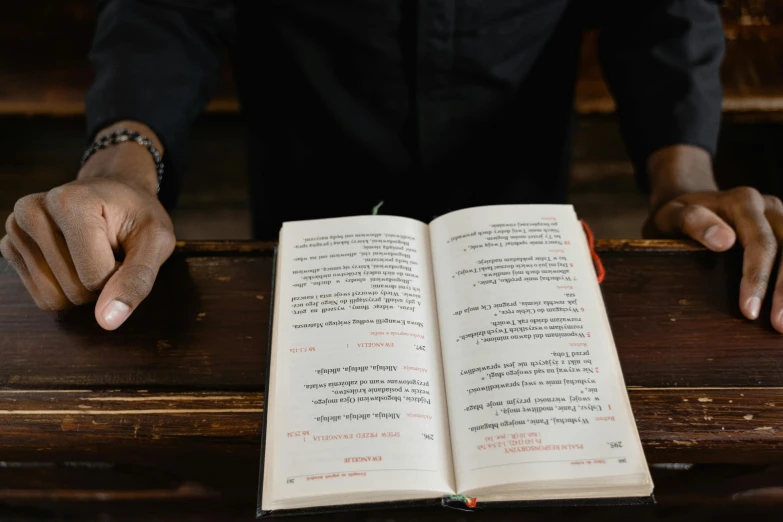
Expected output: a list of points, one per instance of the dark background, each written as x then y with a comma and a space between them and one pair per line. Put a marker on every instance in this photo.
44, 74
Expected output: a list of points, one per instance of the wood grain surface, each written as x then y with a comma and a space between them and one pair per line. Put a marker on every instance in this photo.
162, 418
673, 310
49, 73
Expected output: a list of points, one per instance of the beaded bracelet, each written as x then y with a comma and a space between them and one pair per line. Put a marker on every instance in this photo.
120, 136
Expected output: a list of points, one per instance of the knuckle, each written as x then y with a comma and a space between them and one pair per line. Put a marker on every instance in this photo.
28, 210
767, 243
9, 224
774, 203
93, 284
75, 291
10, 254
56, 198
65, 198
79, 297
748, 195
163, 236
12, 227
16, 261
56, 301
157, 235
759, 279
138, 281
691, 215
93, 276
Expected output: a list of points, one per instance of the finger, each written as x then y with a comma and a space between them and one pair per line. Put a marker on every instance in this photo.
80, 219
31, 216
145, 251
777, 302
774, 214
697, 222
15, 259
761, 247
48, 288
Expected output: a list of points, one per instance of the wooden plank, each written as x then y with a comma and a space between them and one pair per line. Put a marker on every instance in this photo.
205, 324
676, 322
673, 310
752, 75
696, 425
164, 416
752, 72
77, 445
164, 452
50, 74
654, 246
710, 424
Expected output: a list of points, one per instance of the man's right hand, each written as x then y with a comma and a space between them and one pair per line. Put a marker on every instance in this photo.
63, 243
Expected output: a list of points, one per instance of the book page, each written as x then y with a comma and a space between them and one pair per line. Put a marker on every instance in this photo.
534, 387
357, 396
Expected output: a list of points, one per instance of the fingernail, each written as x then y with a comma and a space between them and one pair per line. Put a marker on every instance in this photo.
115, 313
713, 237
754, 307
780, 320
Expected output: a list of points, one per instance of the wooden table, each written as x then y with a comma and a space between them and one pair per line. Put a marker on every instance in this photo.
161, 419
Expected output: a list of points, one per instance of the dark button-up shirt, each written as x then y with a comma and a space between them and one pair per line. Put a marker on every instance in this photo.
428, 105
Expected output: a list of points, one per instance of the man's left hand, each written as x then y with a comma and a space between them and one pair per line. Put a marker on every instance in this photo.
716, 219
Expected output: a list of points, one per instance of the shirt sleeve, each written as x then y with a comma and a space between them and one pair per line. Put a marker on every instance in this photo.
661, 61
157, 62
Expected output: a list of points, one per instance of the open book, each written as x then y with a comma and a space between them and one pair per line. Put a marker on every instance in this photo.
470, 358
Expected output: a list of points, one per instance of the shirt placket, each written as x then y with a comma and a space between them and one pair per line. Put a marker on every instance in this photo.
435, 59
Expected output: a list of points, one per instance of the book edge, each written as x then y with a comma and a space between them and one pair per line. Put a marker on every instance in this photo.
270, 336
445, 502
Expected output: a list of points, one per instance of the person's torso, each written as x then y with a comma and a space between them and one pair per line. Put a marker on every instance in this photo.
429, 105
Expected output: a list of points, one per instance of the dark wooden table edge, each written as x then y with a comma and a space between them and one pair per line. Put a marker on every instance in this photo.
736, 109
249, 247
242, 247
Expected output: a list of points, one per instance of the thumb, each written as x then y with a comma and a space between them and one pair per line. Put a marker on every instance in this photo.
145, 251
696, 221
